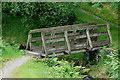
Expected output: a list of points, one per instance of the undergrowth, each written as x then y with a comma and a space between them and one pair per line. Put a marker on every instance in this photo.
65, 69
9, 52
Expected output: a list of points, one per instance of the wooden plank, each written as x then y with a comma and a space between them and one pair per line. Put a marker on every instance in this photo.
89, 40
62, 49
79, 46
56, 44
100, 43
37, 47
63, 43
54, 28
74, 42
54, 40
67, 42
71, 37
43, 43
74, 48
69, 34
65, 28
84, 36
98, 34
75, 37
81, 32
108, 30
54, 36
36, 39
96, 26
56, 50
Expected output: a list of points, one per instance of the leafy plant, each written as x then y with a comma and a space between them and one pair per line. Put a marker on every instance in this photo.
114, 5
65, 69
51, 61
96, 4
110, 58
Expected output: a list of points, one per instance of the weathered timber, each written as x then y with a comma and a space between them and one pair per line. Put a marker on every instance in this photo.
67, 42
65, 28
43, 43
57, 38
36, 39
56, 49
100, 43
108, 30
69, 38
30, 41
89, 39
53, 28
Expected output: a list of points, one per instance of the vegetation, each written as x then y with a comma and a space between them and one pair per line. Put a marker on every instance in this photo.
44, 68
32, 69
9, 52
107, 11
17, 21
100, 69
110, 58
33, 16
41, 14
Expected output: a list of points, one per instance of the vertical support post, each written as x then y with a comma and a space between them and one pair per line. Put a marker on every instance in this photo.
30, 41
67, 42
43, 43
89, 40
108, 30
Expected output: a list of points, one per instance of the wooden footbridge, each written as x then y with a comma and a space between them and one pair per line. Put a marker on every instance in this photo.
68, 39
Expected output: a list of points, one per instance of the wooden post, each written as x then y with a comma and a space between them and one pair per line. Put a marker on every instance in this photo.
67, 42
28, 41
89, 40
108, 30
43, 43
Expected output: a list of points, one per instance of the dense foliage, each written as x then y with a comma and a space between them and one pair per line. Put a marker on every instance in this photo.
111, 59
64, 69
100, 4
43, 14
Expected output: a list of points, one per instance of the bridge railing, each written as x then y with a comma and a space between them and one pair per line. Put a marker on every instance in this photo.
69, 38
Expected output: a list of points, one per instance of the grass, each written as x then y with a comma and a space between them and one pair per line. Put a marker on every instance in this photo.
9, 52
14, 31
32, 69
99, 70
106, 12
